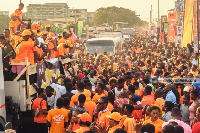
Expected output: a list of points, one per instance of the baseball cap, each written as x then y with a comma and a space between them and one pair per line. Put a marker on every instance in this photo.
47, 26
87, 93
51, 35
91, 65
26, 33
85, 117
12, 15
43, 32
186, 88
115, 116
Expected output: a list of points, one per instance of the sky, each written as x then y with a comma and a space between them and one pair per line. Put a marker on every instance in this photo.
141, 7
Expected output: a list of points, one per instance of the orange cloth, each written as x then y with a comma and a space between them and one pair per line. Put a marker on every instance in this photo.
90, 107
71, 40
82, 129
63, 40
110, 106
22, 51
12, 24
141, 92
41, 118
62, 50
57, 118
158, 124
137, 92
122, 120
111, 130
137, 114
30, 53
96, 97
20, 14
99, 68
129, 125
147, 100
75, 127
39, 50
53, 53
159, 102
115, 66
103, 118
74, 98
132, 81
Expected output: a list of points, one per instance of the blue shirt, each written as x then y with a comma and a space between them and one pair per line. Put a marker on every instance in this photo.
171, 97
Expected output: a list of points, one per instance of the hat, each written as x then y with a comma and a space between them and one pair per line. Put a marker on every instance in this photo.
80, 75
179, 57
26, 33
87, 94
12, 15
48, 26
85, 117
91, 65
187, 89
51, 35
115, 116
43, 32
87, 52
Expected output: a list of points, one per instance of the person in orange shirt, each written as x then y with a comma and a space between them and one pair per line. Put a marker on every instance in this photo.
89, 105
159, 100
114, 120
129, 123
13, 24
103, 111
147, 99
154, 120
40, 119
84, 122
99, 92
74, 125
22, 49
57, 118
52, 45
74, 98
111, 99
19, 14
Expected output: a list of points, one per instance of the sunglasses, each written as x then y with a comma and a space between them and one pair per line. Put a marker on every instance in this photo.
99, 103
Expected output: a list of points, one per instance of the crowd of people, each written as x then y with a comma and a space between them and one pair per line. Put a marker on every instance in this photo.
148, 87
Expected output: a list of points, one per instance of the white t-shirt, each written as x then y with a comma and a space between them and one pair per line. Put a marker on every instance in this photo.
117, 92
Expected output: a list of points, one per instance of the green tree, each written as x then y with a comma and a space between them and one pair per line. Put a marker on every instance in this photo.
116, 14
4, 22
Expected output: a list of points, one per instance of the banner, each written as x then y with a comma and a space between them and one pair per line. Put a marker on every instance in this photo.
179, 5
171, 32
179, 30
80, 29
163, 20
48, 70
166, 26
187, 33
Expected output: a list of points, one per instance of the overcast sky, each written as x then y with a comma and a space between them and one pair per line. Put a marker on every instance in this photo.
142, 7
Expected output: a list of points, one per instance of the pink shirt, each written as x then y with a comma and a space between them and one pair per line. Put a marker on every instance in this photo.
186, 127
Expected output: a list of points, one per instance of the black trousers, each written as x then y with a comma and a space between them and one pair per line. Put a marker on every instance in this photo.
40, 128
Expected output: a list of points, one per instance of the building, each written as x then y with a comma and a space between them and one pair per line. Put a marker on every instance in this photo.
90, 16
47, 11
79, 14
4, 13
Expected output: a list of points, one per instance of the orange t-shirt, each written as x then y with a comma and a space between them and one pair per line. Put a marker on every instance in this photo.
90, 107
111, 130
39, 50
141, 92
102, 118
75, 127
110, 106
96, 97
62, 50
82, 129
57, 118
12, 24
53, 53
41, 118
71, 40
20, 14
122, 120
158, 124
63, 40
147, 100
22, 51
30, 53
74, 98
137, 114
129, 125
159, 102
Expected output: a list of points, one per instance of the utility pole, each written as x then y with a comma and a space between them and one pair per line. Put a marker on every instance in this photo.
158, 13
151, 15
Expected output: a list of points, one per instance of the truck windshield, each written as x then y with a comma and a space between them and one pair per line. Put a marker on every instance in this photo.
100, 49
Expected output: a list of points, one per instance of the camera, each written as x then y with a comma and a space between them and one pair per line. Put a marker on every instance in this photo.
45, 46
